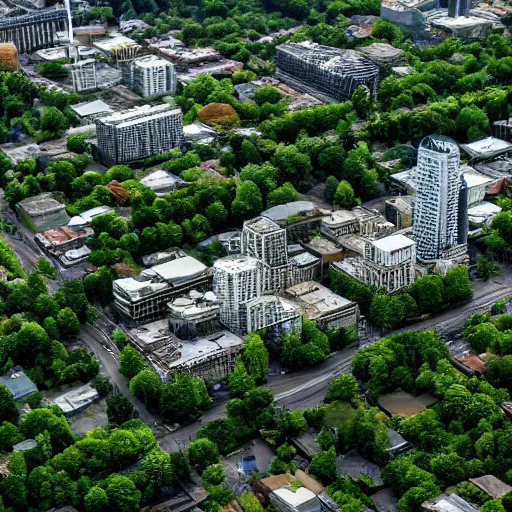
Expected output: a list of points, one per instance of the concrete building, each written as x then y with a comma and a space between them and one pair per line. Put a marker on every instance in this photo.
322, 305
66, 244
487, 149
389, 262
32, 31
236, 280
436, 209
8, 56
151, 76
399, 211
274, 314
139, 133
325, 72
42, 212
192, 315
146, 295
503, 129
210, 357
77, 400
265, 241
83, 75
119, 48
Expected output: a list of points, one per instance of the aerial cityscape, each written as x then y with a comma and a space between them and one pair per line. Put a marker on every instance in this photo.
255, 256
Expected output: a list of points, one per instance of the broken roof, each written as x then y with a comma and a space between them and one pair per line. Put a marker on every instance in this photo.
77, 399
317, 300
448, 503
491, 485
161, 180
87, 216
42, 204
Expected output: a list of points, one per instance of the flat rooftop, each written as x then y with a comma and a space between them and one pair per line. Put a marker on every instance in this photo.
91, 108
393, 243
491, 485
262, 225
487, 147
151, 61
108, 44
177, 270
194, 350
237, 263
339, 217
317, 300
281, 212
401, 403
41, 204
18, 383
140, 114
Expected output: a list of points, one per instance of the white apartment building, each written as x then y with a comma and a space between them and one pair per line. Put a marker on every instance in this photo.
139, 133
152, 75
389, 262
436, 208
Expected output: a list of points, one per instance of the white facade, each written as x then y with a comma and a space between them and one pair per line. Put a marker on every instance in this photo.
389, 263
438, 183
152, 76
236, 280
83, 74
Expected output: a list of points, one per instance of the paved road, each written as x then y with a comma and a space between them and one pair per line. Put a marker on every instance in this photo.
307, 387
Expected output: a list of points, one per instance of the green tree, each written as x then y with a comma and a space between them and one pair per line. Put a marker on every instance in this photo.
248, 154
96, 500
428, 292
203, 453
53, 120
457, 286
239, 380
484, 336
147, 387
248, 202
264, 176
46, 268
157, 465
282, 195
67, 323
344, 388
8, 409
249, 502
217, 215
485, 269
256, 358
130, 362
387, 311
292, 164
213, 475
120, 410
183, 398
331, 185
323, 466
180, 465
122, 493
344, 196
267, 94
77, 143
361, 98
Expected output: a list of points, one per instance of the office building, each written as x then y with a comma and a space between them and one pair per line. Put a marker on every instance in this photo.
139, 133
151, 76
146, 295
33, 31
329, 73
436, 207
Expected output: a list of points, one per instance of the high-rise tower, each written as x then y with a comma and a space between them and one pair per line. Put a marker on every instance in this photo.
436, 207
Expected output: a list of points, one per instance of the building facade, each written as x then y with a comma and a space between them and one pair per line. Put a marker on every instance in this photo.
237, 279
33, 31
331, 73
83, 75
139, 133
436, 207
389, 263
151, 76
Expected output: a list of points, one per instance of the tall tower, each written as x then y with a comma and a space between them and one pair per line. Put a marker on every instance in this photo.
458, 8
436, 208
236, 280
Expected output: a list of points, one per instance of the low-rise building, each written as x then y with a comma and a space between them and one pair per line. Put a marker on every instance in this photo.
487, 149
399, 211
77, 400
17, 382
389, 262
274, 314
147, 295
66, 244
119, 48
42, 212
85, 218
448, 503
162, 182
322, 305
